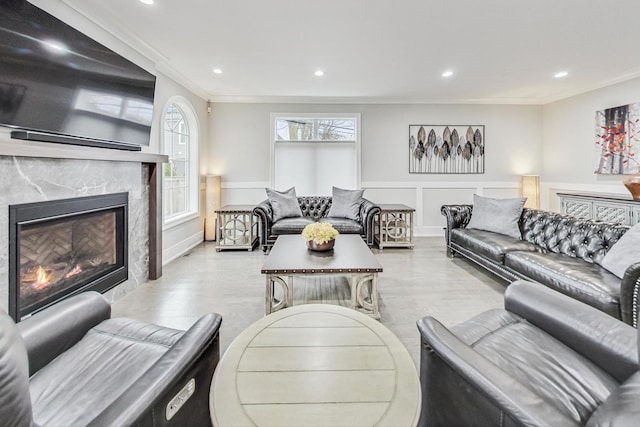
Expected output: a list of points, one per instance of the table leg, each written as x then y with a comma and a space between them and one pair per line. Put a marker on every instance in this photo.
271, 304
268, 303
374, 296
353, 285
371, 282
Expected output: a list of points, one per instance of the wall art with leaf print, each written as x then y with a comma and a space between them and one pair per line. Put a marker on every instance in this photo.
446, 149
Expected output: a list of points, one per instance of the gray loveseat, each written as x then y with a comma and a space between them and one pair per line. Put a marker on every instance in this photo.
559, 251
314, 208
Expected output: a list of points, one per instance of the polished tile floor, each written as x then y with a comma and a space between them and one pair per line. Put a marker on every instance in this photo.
415, 283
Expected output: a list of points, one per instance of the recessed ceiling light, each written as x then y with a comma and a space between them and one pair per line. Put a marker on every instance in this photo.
147, 1
560, 74
217, 71
319, 73
447, 73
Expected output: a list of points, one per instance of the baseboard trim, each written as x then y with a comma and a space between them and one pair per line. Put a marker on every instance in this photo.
181, 248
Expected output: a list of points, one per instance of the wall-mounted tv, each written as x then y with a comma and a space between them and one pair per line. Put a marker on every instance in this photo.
58, 85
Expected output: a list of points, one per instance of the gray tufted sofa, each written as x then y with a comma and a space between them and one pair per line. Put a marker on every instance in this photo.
314, 208
560, 251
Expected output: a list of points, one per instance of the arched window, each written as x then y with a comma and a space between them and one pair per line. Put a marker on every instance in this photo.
180, 178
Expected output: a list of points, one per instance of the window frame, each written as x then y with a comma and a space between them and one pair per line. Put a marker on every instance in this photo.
273, 141
192, 176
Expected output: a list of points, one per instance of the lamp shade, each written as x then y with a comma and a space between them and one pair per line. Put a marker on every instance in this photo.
531, 190
212, 203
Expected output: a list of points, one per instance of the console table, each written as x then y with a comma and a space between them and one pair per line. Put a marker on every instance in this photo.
394, 226
238, 228
614, 208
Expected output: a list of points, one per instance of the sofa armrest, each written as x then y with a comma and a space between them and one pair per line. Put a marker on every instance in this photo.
630, 295
54, 330
507, 396
195, 355
264, 212
457, 216
603, 339
368, 212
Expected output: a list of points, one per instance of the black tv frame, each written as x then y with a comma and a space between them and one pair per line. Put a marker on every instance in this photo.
28, 135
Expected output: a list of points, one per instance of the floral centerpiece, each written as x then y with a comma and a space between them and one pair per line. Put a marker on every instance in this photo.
320, 236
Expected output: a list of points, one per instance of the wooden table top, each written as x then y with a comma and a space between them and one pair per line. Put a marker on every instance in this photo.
290, 255
235, 209
396, 208
319, 365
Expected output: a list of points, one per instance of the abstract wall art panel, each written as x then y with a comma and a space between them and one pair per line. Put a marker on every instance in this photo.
446, 149
618, 140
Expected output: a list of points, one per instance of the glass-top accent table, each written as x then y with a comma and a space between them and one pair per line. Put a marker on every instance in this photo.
394, 226
237, 227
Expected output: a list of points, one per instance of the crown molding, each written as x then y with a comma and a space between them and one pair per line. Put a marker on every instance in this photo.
126, 39
601, 85
365, 100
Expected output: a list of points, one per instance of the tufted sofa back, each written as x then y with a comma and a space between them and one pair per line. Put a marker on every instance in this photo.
580, 238
315, 206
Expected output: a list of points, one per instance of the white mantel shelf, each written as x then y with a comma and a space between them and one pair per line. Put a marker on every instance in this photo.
61, 151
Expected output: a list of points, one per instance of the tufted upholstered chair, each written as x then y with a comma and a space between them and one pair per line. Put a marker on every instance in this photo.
545, 360
314, 208
73, 365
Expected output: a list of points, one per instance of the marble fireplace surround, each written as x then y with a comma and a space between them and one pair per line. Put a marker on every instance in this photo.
35, 172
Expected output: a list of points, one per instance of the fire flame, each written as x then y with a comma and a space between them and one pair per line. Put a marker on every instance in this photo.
42, 278
76, 270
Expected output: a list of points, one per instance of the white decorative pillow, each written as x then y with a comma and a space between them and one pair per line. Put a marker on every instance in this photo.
497, 215
345, 203
284, 203
624, 252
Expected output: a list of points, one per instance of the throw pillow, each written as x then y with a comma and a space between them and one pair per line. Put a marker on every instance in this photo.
497, 215
284, 203
345, 203
624, 252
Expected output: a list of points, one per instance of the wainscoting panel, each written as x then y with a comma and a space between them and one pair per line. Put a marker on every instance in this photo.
433, 199
405, 196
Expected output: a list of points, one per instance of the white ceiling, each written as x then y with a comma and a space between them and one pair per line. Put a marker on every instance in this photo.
501, 51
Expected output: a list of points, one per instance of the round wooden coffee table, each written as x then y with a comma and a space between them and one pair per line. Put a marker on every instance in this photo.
315, 365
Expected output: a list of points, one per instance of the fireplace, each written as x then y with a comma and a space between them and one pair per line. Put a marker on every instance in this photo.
62, 247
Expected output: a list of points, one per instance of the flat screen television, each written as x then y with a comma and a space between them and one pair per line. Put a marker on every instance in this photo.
58, 85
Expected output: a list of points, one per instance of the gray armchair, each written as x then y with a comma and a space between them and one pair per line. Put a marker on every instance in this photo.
545, 360
73, 365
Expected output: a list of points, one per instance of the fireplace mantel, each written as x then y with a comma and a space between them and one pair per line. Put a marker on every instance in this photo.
14, 147
35, 171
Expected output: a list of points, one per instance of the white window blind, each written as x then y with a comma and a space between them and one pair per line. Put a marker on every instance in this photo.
315, 153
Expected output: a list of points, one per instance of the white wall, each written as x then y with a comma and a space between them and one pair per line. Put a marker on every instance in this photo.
240, 152
569, 152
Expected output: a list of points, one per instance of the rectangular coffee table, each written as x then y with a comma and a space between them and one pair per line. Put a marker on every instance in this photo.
351, 257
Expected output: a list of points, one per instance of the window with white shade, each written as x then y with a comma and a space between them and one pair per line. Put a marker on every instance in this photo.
315, 152
180, 177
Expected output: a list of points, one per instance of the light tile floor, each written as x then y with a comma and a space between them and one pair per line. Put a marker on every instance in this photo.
415, 283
